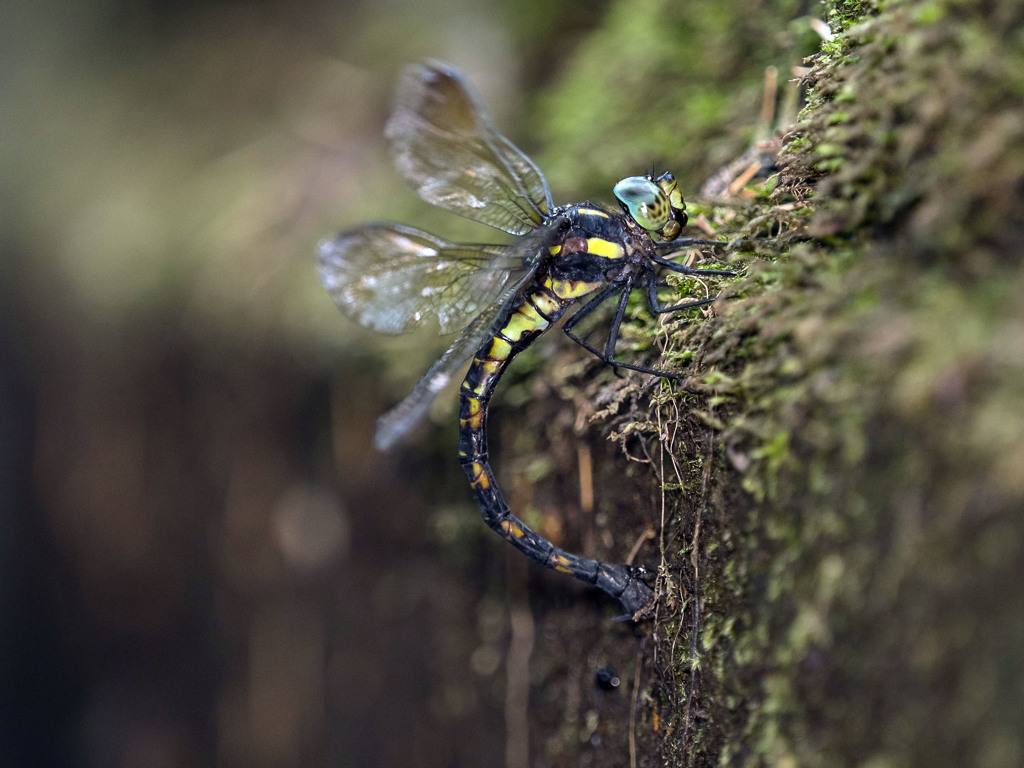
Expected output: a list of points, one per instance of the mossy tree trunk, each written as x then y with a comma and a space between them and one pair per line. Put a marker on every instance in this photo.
843, 578
846, 581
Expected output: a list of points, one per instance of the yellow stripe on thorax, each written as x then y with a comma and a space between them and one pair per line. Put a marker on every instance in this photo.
606, 248
592, 212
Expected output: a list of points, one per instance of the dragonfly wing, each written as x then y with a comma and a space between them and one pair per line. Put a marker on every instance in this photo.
392, 278
446, 146
397, 422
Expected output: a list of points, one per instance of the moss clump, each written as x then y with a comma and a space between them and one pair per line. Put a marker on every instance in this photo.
657, 83
851, 556
916, 126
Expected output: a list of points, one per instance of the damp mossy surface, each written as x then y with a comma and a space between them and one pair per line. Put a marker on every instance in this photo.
844, 546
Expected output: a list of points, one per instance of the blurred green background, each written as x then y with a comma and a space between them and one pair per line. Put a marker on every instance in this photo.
202, 562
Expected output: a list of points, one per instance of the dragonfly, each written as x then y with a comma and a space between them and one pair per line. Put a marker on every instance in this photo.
500, 298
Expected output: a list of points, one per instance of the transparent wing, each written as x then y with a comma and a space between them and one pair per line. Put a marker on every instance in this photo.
393, 279
397, 422
445, 144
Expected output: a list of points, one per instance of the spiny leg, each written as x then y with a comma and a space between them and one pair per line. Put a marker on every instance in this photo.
613, 329
608, 356
652, 300
685, 270
686, 242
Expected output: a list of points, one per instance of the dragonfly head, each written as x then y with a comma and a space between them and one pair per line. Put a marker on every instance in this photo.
656, 204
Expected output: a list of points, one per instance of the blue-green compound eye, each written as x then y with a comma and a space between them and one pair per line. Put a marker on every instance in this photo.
646, 202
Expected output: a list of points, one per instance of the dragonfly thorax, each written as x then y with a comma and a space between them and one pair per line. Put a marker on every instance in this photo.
589, 229
594, 247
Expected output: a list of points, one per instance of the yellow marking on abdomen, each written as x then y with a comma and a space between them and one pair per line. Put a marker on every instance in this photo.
473, 421
480, 479
511, 529
478, 390
526, 318
601, 247
560, 563
569, 289
545, 302
489, 367
500, 349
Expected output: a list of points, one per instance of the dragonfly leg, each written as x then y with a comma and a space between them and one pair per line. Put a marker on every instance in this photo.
656, 308
685, 270
685, 242
608, 355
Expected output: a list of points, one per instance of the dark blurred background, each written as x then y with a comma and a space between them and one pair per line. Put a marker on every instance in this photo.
202, 562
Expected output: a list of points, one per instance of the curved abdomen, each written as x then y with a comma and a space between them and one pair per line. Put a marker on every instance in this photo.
537, 312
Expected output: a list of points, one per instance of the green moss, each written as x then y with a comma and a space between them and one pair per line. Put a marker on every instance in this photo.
866, 397
649, 86
843, 537
848, 536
